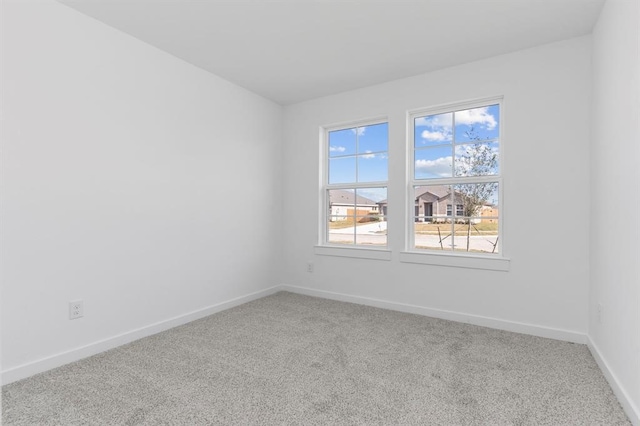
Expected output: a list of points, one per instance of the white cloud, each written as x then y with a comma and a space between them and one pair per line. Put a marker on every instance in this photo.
479, 116
359, 130
368, 155
472, 149
337, 149
439, 167
440, 121
438, 127
436, 136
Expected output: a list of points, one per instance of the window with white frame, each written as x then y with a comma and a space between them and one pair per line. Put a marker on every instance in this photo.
456, 162
355, 185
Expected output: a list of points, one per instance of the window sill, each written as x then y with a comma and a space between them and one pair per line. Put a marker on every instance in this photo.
456, 260
356, 252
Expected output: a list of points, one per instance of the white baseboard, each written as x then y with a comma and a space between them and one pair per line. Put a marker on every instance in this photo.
517, 327
29, 369
630, 408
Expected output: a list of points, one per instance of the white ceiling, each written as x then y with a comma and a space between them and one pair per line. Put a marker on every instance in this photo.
293, 50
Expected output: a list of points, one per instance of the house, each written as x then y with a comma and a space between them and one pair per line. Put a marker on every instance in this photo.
162, 161
436, 201
433, 204
344, 204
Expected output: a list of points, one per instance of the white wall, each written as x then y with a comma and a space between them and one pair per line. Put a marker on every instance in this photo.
546, 141
615, 179
119, 164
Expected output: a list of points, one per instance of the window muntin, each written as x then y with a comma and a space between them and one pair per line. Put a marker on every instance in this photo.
355, 189
455, 185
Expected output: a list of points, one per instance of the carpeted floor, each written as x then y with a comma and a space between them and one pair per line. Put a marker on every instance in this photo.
292, 359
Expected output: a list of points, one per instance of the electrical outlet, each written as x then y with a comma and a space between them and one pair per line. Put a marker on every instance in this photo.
310, 267
599, 313
76, 309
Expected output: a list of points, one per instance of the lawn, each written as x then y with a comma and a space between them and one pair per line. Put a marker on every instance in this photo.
483, 228
339, 224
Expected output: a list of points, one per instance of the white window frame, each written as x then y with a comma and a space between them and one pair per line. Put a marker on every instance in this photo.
498, 261
324, 247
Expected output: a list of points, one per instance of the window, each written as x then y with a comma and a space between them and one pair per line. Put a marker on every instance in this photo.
456, 162
459, 210
355, 185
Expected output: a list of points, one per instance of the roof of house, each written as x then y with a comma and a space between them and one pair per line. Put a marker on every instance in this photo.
437, 190
341, 196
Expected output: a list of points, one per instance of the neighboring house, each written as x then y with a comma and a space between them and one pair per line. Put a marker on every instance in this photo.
435, 201
345, 203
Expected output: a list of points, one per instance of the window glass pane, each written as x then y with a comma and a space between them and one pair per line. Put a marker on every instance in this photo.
477, 159
477, 234
371, 205
433, 233
477, 124
372, 196
477, 197
340, 228
433, 130
371, 230
343, 235
372, 167
375, 198
342, 170
433, 163
341, 202
374, 138
342, 142
432, 200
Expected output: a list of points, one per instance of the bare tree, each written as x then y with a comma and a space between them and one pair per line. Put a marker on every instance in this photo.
475, 159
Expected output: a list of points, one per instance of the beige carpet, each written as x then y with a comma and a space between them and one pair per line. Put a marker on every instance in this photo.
292, 359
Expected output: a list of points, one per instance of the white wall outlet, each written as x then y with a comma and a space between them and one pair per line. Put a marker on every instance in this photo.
76, 309
599, 313
310, 267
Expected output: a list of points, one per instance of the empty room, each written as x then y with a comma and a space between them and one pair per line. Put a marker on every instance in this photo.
415, 212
